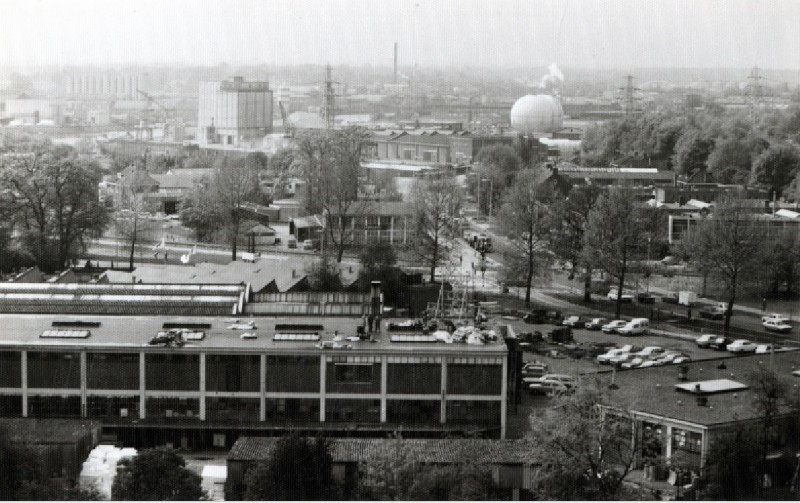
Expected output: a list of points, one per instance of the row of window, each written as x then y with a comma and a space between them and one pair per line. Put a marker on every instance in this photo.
241, 373
246, 410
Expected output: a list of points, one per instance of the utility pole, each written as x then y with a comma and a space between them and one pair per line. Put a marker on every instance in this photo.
754, 88
629, 99
328, 105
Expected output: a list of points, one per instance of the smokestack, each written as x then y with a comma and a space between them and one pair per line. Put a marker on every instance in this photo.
395, 63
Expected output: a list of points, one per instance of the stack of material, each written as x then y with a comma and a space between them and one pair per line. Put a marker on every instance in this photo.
100, 468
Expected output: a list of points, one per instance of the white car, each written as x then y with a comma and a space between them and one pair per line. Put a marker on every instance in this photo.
650, 363
777, 326
633, 363
606, 357
741, 346
681, 359
668, 357
626, 297
565, 379
651, 352
704, 340
549, 388
775, 317
611, 327
596, 323
621, 358
763, 349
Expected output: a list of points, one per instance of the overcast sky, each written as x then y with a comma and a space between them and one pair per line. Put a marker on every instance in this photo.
587, 33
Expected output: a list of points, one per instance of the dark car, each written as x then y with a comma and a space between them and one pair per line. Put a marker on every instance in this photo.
645, 298
540, 316
712, 313
561, 334
720, 343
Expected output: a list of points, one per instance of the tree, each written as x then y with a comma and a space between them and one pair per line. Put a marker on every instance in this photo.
498, 166
235, 183
330, 164
730, 243
323, 276
378, 262
523, 219
200, 211
567, 221
732, 159
776, 167
583, 448
612, 232
54, 194
730, 471
436, 204
280, 168
158, 474
298, 469
692, 150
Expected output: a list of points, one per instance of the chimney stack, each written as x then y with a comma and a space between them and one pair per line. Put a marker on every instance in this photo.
395, 63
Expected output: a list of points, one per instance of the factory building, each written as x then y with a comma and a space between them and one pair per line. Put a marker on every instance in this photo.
102, 85
234, 113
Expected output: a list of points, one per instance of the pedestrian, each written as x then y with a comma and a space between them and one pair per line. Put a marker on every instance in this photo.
461, 259
378, 324
370, 319
763, 304
364, 322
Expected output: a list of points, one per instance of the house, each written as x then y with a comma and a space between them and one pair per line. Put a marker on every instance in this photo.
309, 227
431, 147
382, 222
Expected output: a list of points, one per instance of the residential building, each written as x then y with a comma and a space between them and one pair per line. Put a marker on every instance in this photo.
234, 112
378, 222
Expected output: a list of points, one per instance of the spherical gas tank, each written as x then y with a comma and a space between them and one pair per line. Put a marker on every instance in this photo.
536, 113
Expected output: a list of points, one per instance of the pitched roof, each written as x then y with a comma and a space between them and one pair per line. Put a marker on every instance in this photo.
344, 450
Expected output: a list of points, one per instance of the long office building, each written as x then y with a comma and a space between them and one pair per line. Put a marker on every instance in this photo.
220, 378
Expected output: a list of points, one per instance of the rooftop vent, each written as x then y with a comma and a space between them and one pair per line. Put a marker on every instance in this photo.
65, 334
412, 338
305, 337
76, 323
711, 386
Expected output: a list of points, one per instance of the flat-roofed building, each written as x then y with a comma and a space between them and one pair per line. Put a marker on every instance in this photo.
215, 383
234, 112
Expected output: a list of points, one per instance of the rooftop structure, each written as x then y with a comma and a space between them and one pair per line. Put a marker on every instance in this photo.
234, 112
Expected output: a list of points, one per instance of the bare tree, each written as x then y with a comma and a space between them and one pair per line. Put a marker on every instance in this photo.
234, 184
611, 233
522, 218
730, 243
436, 203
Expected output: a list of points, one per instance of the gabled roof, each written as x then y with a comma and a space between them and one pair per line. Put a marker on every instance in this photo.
308, 222
357, 450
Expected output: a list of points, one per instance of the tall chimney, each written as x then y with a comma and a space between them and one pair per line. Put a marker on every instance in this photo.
395, 63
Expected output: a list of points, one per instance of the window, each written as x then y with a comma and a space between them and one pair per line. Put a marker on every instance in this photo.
687, 441
112, 371
54, 370
474, 379
353, 373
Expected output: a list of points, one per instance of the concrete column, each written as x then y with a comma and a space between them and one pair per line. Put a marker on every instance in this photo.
202, 387
504, 398
24, 382
142, 387
84, 380
322, 376
668, 441
384, 378
443, 411
262, 387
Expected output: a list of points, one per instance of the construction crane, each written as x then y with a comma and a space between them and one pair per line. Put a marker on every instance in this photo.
287, 125
170, 114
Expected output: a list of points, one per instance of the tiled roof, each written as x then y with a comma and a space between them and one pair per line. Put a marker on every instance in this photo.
345, 450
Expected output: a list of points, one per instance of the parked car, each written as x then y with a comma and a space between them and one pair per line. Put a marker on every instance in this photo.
596, 323
681, 359
621, 358
574, 321
625, 297
612, 327
712, 312
637, 326
741, 346
566, 379
705, 339
668, 357
777, 326
763, 349
650, 363
645, 298
633, 362
720, 343
549, 388
775, 317
611, 353
534, 369
651, 352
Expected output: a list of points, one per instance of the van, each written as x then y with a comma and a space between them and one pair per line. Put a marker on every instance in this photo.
637, 326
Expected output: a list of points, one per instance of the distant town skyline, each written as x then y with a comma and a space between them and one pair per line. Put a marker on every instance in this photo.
498, 33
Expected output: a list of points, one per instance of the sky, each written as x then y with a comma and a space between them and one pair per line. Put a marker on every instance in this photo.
491, 33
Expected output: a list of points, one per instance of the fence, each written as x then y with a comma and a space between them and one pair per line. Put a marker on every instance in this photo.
313, 298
